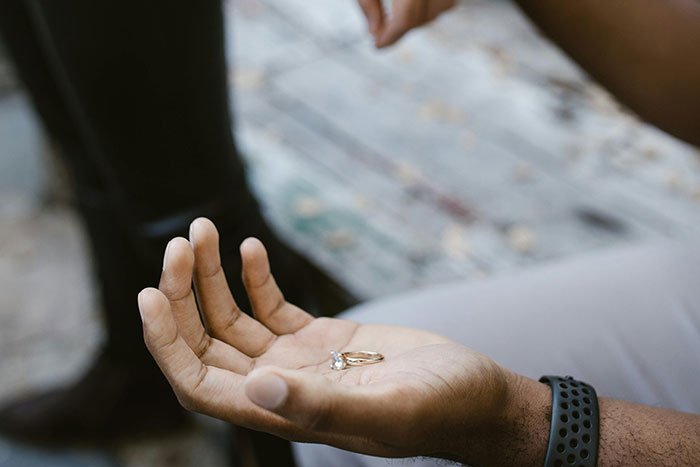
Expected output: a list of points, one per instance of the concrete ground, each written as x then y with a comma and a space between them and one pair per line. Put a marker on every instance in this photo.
472, 148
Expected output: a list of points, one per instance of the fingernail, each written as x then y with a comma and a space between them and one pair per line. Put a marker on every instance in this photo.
268, 391
138, 299
165, 255
192, 233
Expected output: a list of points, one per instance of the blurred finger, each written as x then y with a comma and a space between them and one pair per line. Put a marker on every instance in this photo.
223, 318
409, 14
374, 12
267, 300
405, 16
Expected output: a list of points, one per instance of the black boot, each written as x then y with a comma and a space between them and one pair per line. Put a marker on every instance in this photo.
113, 399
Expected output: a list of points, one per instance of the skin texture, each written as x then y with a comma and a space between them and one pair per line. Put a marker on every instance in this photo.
430, 397
634, 434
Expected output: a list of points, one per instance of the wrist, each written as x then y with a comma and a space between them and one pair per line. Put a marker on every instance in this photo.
518, 433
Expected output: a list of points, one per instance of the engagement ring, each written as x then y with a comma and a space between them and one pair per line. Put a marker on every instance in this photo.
340, 361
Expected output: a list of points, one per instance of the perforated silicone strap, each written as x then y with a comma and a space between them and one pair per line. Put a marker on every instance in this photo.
573, 437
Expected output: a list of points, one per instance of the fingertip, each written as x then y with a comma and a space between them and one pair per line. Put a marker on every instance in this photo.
202, 229
178, 254
255, 262
387, 40
149, 301
149, 295
251, 247
380, 41
140, 299
205, 244
158, 324
397, 27
266, 389
180, 243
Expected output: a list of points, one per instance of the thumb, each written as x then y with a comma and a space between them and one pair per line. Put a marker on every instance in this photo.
315, 403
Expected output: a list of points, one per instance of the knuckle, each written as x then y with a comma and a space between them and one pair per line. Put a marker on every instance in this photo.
185, 401
166, 345
278, 305
228, 325
203, 346
265, 346
190, 395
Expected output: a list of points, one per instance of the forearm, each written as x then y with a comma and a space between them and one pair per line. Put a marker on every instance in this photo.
630, 434
634, 434
646, 52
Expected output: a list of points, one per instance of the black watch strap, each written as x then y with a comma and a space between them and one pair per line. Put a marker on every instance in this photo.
573, 437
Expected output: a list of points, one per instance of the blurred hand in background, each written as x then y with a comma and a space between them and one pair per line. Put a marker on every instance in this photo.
388, 28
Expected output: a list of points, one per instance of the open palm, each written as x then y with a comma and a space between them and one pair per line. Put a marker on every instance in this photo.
273, 373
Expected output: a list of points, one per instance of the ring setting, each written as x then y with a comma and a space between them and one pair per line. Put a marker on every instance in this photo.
342, 360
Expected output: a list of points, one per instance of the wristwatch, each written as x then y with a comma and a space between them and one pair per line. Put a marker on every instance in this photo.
573, 437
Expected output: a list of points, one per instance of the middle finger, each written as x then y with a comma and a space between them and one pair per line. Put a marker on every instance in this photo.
176, 285
223, 318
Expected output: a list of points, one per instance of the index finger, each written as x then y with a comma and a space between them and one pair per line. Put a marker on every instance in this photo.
184, 371
206, 389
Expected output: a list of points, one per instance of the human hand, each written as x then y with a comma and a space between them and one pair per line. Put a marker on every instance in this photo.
272, 372
405, 15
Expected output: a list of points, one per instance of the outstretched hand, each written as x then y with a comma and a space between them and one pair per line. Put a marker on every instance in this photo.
405, 15
272, 372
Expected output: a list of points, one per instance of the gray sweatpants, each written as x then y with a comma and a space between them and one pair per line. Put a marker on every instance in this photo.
626, 321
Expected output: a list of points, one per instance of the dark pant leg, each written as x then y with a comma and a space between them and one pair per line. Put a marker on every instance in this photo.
146, 84
136, 97
138, 101
114, 252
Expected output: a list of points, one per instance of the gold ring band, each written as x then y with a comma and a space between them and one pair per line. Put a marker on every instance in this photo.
340, 361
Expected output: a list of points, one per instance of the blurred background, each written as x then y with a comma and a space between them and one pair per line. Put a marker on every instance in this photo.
472, 148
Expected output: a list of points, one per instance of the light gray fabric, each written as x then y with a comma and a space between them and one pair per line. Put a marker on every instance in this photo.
626, 321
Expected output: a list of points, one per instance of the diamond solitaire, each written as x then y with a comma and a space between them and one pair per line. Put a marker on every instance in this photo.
340, 361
